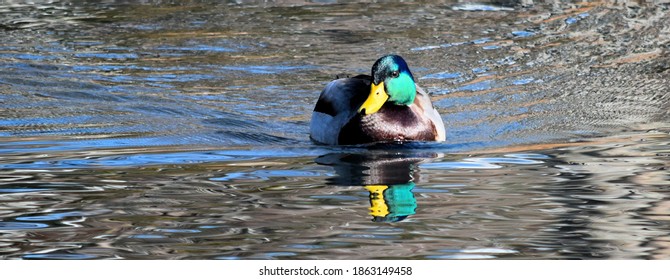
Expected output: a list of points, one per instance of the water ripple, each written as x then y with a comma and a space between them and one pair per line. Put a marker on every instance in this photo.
59, 256
21, 226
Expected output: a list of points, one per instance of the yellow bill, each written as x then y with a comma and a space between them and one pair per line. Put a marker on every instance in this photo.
376, 99
378, 207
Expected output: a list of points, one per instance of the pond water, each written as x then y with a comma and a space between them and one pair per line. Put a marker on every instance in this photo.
179, 130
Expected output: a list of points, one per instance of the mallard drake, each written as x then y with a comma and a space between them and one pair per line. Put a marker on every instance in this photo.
385, 107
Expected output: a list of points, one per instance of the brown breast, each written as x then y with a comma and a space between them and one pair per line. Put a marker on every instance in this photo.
390, 123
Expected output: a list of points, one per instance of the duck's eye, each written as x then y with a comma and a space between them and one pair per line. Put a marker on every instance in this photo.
395, 74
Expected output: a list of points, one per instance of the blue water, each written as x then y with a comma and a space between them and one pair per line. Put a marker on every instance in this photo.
131, 131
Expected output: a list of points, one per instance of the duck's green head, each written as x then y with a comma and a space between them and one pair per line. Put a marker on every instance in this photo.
391, 82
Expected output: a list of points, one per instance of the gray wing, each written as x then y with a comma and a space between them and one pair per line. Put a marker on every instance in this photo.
337, 104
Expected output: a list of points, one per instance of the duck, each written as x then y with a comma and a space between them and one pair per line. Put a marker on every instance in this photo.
386, 106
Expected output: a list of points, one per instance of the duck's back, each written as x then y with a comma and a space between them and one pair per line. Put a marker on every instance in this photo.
337, 105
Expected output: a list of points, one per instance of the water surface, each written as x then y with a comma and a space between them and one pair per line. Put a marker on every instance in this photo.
180, 131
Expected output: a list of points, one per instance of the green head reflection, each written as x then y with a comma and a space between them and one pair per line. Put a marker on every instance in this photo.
392, 203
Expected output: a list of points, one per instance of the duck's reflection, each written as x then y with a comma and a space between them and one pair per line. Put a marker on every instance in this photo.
389, 177
391, 203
